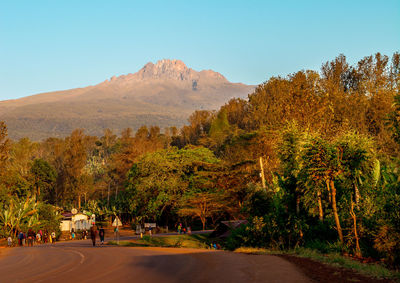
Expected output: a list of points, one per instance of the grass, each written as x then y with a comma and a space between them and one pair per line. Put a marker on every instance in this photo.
198, 241
256, 251
333, 259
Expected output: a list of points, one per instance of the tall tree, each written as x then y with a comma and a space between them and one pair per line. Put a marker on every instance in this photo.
4, 145
202, 205
75, 156
44, 180
322, 164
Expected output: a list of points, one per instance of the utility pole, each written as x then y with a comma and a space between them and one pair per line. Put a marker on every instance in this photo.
262, 173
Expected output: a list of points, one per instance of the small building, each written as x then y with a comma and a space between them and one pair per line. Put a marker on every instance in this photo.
78, 221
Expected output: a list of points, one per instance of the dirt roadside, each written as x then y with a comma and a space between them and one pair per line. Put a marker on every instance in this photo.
321, 272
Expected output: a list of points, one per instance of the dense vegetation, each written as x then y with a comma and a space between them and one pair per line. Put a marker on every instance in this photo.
327, 145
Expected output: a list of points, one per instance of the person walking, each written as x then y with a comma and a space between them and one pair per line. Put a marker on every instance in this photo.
102, 235
53, 237
45, 236
9, 241
93, 233
31, 237
20, 237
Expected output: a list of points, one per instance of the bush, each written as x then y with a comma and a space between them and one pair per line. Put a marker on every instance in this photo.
324, 246
48, 219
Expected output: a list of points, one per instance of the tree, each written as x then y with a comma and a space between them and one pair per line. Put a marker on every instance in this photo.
321, 163
347, 162
237, 112
359, 164
17, 213
74, 160
393, 120
220, 128
158, 180
4, 145
201, 205
289, 156
44, 180
22, 154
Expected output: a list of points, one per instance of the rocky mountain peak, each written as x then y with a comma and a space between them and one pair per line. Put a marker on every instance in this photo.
167, 69
167, 64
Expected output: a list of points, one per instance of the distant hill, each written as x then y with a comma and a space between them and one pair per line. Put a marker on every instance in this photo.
162, 94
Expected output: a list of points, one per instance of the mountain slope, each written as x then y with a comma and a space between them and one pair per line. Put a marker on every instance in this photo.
162, 94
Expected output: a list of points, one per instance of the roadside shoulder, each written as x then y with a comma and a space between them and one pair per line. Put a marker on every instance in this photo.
330, 267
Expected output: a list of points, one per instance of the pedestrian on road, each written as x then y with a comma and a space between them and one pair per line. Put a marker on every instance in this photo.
102, 235
20, 237
31, 237
93, 233
45, 236
9, 240
53, 237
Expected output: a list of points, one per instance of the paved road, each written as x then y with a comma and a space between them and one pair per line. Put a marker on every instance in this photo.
78, 261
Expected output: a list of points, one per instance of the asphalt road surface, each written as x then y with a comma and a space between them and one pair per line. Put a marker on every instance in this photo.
79, 261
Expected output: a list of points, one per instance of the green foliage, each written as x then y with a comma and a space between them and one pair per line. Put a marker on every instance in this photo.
393, 119
49, 218
288, 216
384, 219
202, 205
18, 214
159, 180
4, 145
277, 229
220, 128
44, 180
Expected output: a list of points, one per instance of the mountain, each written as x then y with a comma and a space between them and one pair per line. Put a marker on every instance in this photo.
162, 94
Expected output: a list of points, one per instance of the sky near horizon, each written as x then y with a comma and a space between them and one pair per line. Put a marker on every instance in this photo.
56, 45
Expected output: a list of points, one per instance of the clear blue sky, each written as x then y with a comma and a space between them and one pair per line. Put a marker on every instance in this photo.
54, 45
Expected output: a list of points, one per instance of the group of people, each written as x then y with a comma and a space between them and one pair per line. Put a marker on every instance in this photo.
181, 229
82, 235
93, 234
31, 237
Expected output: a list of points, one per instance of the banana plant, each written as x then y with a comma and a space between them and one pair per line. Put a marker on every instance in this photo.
17, 213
